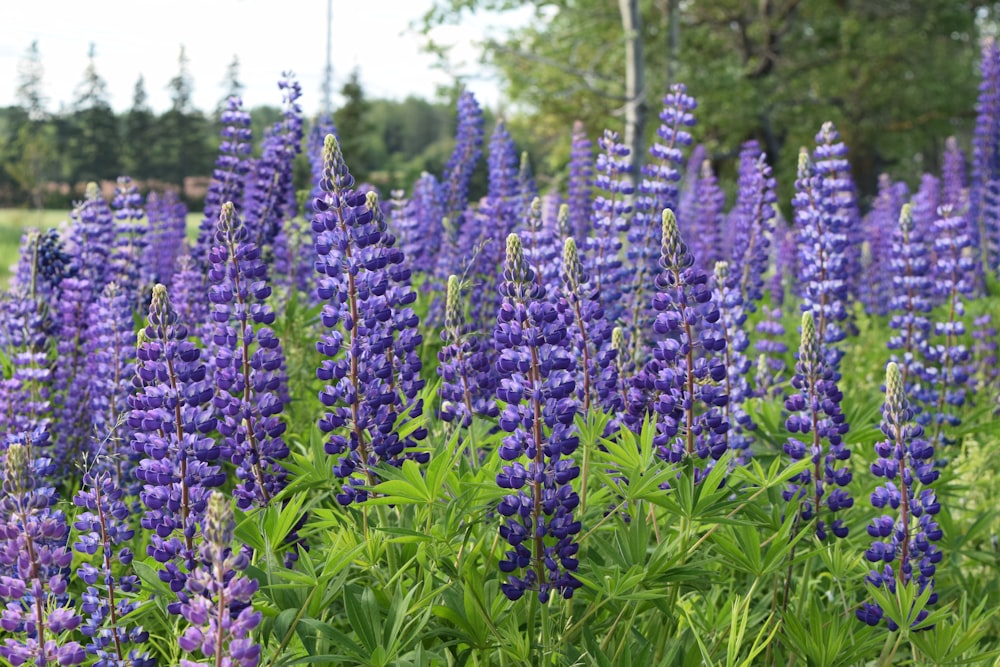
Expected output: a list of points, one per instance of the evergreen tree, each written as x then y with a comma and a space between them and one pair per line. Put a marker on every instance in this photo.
94, 146
29, 83
354, 126
183, 134
138, 151
231, 85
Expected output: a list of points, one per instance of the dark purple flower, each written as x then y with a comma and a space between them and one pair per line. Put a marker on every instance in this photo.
249, 364
538, 391
687, 372
815, 413
35, 562
902, 551
171, 420
372, 367
218, 597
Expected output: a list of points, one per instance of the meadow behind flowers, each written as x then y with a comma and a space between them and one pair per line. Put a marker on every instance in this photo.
622, 424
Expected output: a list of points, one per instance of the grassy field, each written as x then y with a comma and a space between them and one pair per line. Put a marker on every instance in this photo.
13, 222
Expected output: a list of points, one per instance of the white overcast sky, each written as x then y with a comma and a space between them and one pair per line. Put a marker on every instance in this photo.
134, 37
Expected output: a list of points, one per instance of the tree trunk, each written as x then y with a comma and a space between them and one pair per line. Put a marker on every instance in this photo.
635, 93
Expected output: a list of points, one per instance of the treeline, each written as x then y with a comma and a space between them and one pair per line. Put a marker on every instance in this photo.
47, 158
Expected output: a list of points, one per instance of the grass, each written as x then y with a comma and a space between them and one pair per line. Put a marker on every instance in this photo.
13, 222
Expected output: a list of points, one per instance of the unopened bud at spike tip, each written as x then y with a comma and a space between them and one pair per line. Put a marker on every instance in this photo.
906, 217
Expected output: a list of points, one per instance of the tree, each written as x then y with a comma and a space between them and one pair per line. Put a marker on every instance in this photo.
231, 84
353, 125
29, 83
182, 136
36, 158
139, 149
896, 77
94, 146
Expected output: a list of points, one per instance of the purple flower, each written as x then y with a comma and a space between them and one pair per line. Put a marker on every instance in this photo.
732, 318
823, 247
109, 346
104, 532
610, 218
35, 562
228, 178
130, 239
772, 348
578, 189
165, 237
814, 411
590, 335
371, 366
754, 225
249, 364
455, 181
656, 191
903, 550
538, 391
944, 376
218, 605
879, 226
983, 213
71, 428
686, 371
92, 240
171, 420
270, 191
417, 223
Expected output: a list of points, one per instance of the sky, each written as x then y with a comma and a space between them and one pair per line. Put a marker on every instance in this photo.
134, 37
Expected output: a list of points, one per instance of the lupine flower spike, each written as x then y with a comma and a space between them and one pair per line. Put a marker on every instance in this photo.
815, 410
904, 541
35, 562
538, 389
685, 364
216, 589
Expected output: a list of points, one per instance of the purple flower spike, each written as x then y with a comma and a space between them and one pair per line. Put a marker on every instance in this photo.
215, 591
686, 373
104, 532
984, 214
945, 380
754, 225
731, 321
657, 190
610, 219
903, 550
538, 391
165, 237
35, 563
171, 422
228, 178
455, 181
249, 364
590, 333
823, 232
581, 172
815, 413
130, 239
269, 189
371, 364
